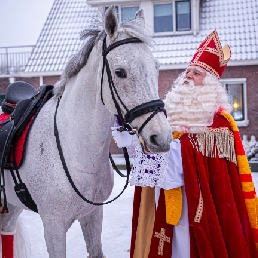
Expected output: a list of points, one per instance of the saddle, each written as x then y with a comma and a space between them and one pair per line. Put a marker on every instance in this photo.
16, 92
23, 102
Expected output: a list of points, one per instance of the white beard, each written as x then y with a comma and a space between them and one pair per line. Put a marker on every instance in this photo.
192, 108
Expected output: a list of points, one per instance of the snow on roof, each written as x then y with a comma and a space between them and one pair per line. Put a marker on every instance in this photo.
60, 36
235, 21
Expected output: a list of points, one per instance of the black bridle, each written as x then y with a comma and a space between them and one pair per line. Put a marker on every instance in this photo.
153, 106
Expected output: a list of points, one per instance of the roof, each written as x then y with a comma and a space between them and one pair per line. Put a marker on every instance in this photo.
236, 22
60, 36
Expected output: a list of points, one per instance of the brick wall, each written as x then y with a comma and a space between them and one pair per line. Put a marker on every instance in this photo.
166, 79
4, 82
34, 81
51, 79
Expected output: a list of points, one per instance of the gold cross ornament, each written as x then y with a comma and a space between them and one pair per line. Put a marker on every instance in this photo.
162, 238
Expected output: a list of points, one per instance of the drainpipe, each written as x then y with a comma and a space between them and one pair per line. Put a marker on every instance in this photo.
7, 61
40, 80
196, 16
11, 79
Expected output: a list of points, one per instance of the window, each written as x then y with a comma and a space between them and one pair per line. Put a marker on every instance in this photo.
172, 17
236, 89
163, 18
125, 12
128, 13
235, 92
183, 15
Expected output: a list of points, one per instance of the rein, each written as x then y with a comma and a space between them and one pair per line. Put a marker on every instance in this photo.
67, 171
153, 106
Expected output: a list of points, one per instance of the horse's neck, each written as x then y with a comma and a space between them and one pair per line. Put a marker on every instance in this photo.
84, 122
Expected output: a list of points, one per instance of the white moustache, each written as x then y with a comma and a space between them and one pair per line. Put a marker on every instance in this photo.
189, 83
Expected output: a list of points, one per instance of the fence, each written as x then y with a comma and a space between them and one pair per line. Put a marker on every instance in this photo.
14, 59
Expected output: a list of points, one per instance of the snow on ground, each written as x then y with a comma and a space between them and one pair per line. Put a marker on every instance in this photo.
115, 235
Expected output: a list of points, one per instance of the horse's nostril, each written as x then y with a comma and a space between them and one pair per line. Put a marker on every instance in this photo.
153, 139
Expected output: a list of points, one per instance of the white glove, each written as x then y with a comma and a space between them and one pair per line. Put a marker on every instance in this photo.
122, 139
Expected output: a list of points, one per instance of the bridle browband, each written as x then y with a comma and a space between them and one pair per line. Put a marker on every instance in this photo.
153, 106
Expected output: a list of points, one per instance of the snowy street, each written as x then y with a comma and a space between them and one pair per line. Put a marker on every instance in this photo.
116, 228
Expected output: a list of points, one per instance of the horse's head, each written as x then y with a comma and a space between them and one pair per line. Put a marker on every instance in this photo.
132, 79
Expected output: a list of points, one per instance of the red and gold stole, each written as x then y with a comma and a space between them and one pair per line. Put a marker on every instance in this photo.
248, 188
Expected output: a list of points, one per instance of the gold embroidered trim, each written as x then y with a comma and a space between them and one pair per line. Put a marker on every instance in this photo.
162, 238
206, 67
199, 210
215, 142
177, 135
218, 51
174, 203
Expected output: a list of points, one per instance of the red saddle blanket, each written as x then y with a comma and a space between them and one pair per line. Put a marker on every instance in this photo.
20, 143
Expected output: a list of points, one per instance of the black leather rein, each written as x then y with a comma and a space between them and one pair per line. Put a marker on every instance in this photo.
153, 106
68, 173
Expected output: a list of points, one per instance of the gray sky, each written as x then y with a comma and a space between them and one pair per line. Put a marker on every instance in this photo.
21, 21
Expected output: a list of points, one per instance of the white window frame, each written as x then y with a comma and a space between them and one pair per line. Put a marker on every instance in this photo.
120, 6
245, 122
175, 32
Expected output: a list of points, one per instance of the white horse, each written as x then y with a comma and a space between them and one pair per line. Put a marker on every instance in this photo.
84, 126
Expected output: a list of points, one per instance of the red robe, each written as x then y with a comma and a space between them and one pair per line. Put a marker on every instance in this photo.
224, 230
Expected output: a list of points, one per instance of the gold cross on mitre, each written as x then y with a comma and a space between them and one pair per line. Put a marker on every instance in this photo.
162, 238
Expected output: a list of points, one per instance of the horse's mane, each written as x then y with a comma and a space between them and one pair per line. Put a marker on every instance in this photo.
91, 37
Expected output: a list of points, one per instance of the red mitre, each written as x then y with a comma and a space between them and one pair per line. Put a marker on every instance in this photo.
211, 56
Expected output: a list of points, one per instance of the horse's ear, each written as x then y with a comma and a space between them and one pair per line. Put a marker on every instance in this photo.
139, 18
111, 22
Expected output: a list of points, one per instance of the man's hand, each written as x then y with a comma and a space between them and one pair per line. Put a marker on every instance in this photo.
122, 139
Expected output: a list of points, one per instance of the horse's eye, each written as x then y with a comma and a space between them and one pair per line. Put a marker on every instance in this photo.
120, 73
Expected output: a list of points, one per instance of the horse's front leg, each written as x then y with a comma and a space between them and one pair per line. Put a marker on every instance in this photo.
92, 227
55, 235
